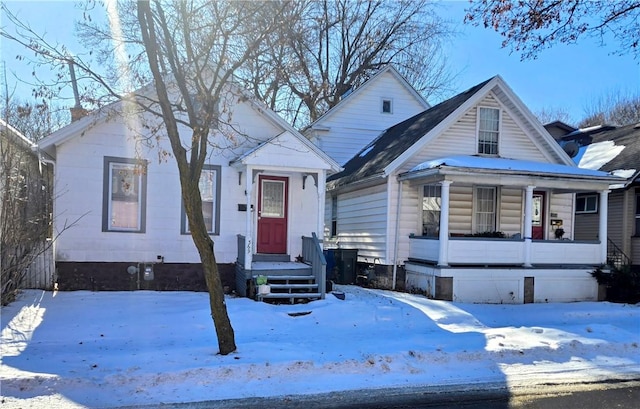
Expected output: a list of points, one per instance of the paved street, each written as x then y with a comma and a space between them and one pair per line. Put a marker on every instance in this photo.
620, 395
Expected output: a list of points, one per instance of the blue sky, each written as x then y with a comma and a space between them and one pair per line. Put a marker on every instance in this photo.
565, 76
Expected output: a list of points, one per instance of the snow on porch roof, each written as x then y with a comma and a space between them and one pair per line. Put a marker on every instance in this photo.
513, 165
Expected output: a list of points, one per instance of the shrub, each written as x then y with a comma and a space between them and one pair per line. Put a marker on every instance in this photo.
623, 284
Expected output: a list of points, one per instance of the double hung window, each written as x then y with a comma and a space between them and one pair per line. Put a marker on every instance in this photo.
210, 194
485, 209
124, 195
488, 130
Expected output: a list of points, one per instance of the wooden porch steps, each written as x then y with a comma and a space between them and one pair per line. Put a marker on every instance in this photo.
293, 288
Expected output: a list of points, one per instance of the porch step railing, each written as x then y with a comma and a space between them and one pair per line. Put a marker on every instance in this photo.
312, 254
615, 256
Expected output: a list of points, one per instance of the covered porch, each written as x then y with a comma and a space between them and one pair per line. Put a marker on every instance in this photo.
283, 182
488, 221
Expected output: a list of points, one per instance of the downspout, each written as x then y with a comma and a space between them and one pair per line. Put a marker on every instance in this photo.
397, 238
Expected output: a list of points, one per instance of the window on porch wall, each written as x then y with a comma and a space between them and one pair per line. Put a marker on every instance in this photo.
431, 205
485, 209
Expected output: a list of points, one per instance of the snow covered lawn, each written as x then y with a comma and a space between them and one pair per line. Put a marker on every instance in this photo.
87, 349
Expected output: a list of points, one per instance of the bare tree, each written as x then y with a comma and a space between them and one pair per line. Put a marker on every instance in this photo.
529, 26
549, 114
188, 51
614, 108
330, 47
24, 209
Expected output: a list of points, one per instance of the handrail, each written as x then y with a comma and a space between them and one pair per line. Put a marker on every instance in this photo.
312, 254
615, 256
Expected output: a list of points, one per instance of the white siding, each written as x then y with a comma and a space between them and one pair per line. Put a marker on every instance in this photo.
356, 123
511, 211
79, 193
460, 209
410, 220
362, 221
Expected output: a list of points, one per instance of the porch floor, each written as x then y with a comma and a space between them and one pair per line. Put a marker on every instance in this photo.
257, 266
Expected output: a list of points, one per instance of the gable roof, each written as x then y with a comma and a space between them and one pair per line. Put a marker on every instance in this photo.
284, 145
368, 84
614, 150
108, 111
398, 143
16, 136
376, 156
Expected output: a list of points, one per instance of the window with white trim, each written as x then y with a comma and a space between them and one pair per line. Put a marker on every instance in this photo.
431, 207
485, 209
387, 106
124, 195
210, 193
587, 203
488, 130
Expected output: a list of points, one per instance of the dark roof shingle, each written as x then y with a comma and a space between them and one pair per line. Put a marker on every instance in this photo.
383, 150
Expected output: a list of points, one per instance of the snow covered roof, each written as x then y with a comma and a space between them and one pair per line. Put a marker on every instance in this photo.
509, 165
613, 150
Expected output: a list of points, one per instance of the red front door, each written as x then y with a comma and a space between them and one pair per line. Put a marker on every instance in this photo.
272, 214
538, 216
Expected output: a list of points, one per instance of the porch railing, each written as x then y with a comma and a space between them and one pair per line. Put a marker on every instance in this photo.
312, 254
242, 242
494, 251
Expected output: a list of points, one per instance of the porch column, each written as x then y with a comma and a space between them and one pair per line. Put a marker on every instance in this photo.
602, 231
528, 219
322, 178
443, 236
248, 252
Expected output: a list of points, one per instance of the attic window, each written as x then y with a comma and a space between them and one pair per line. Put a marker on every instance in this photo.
387, 106
488, 130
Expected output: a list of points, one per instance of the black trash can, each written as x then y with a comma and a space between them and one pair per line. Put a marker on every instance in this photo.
344, 265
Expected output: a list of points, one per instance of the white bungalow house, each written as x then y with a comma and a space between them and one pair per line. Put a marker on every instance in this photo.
119, 201
474, 200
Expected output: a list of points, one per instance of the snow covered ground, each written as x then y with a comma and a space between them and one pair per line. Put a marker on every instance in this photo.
88, 349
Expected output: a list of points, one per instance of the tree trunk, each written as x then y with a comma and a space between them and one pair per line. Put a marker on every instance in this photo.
204, 244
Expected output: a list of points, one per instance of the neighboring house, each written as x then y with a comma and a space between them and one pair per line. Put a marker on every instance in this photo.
615, 150
382, 101
475, 199
25, 213
262, 191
